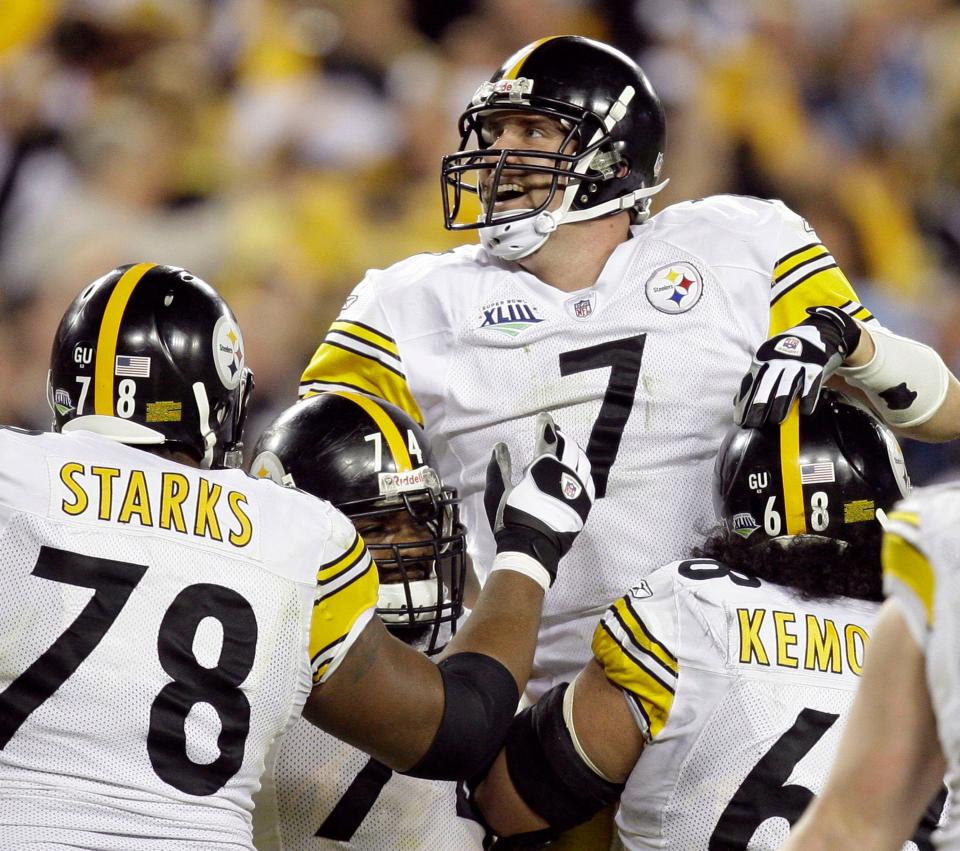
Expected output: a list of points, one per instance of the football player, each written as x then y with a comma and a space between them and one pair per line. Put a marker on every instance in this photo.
372, 461
720, 684
902, 732
165, 620
639, 328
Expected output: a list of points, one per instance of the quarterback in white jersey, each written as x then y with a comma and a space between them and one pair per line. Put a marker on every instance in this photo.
166, 618
639, 330
910, 687
716, 698
372, 461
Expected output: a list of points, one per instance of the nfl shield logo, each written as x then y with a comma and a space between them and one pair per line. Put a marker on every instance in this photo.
582, 306
570, 486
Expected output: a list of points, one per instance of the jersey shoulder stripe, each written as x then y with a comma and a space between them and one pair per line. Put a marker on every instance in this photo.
367, 332
335, 566
347, 588
798, 259
641, 666
857, 311
640, 637
353, 334
905, 567
347, 365
819, 283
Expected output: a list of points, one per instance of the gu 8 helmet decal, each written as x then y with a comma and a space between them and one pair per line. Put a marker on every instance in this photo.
138, 357
609, 161
370, 460
818, 474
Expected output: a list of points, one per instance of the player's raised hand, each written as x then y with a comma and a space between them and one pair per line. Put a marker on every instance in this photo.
544, 512
794, 365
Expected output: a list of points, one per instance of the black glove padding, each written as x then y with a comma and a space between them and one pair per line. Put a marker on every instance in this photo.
543, 514
795, 364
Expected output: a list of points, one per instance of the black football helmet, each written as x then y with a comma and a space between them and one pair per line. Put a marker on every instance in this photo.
817, 474
615, 123
152, 355
370, 459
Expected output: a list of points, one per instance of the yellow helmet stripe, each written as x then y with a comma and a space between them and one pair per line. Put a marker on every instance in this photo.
514, 70
790, 472
107, 340
395, 440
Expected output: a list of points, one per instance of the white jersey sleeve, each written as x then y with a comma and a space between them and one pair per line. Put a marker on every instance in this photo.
360, 354
635, 643
347, 587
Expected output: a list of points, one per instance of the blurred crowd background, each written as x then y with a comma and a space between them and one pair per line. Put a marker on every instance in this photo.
279, 148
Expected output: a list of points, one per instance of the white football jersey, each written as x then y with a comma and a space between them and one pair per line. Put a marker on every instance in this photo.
641, 369
741, 690
323, 794
160, 627
921, 571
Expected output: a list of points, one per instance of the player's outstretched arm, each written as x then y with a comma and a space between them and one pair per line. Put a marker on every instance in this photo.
889, 764
565, 758
906, 382
448, 720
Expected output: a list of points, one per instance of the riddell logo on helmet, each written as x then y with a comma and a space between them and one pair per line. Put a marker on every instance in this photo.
392, 483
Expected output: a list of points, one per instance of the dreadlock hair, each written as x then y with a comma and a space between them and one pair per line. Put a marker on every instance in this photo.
815, 566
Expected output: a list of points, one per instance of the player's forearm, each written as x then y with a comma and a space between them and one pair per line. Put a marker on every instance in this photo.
504, 624
841, 823
906, 383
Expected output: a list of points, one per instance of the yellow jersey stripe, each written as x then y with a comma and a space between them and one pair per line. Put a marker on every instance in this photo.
395, 440
514, 71
367, 334
911, 518
654, 696
335, 368
828, 286
641, 636
796, 258
352, 556
334, 616
790, 472
906, 563
107, 339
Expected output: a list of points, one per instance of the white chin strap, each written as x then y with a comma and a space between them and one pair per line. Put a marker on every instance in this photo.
518, 239
423, 594
121, 430
207, 433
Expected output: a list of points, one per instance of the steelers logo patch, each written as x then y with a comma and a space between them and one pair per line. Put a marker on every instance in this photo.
228, 352
675, 288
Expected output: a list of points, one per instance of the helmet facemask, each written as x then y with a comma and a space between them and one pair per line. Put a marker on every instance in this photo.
418, 544
609, 161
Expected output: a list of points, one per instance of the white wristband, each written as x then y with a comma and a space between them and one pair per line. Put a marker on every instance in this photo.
525, 564
900, 361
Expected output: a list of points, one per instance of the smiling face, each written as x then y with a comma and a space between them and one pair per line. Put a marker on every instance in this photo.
519, 187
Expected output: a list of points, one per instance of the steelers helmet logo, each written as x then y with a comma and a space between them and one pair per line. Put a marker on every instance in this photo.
268, 465
675, 288
228, 352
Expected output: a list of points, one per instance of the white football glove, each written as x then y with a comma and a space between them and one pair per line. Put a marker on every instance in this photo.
543, 514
